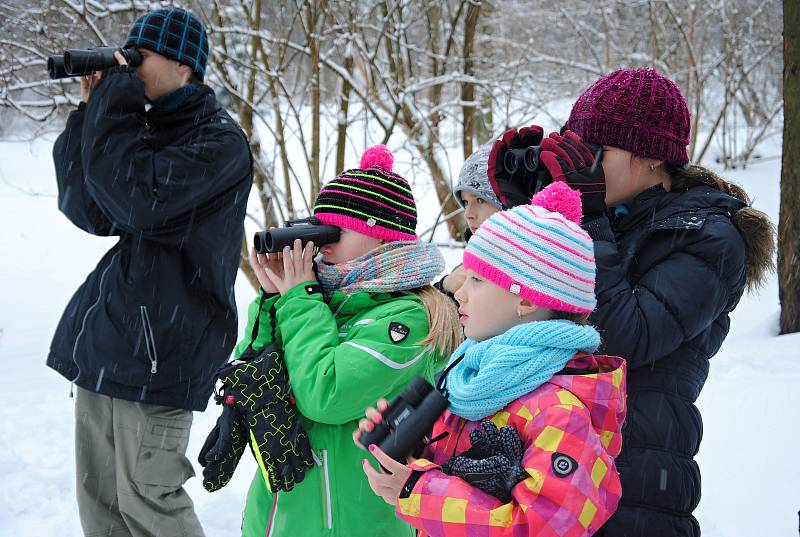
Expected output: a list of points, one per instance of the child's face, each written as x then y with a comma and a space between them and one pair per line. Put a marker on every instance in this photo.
160, 74
487, 310
351, 245
476, 210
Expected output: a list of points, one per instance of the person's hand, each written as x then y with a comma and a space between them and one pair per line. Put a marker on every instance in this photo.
368, 424
120, 58
386, 484
297, 267
258, 262
88, 82
454, 280
515, 189
579, 163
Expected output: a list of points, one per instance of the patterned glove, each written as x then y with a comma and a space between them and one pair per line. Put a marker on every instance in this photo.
259, 384
515, 148
493, 463
224, 446
568, 158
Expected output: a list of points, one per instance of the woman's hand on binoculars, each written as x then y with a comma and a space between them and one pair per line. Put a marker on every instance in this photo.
368, 424
298, 267
388, 483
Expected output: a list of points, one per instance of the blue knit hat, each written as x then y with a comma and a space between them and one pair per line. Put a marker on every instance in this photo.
174, 33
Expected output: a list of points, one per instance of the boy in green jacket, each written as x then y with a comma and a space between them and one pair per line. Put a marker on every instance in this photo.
368, 326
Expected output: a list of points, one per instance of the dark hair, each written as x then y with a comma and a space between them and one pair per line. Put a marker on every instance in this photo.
753, 225
581, 319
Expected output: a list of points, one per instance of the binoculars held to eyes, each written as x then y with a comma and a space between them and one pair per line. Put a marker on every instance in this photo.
306, 229
78, 62
407, 420
523, 165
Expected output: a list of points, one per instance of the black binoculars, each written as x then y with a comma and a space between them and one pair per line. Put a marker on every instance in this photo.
524, 166
407, 420
306, 229
526, 158
78, 62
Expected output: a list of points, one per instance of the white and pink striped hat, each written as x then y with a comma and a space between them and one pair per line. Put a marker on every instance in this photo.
539, 251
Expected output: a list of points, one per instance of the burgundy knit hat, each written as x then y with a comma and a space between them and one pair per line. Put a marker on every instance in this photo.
370, 199
638, 110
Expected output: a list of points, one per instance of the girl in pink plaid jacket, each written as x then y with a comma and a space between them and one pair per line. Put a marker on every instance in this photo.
527, 365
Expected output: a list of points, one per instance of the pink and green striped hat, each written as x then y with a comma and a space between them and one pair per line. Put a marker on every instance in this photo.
370, 199
538, 251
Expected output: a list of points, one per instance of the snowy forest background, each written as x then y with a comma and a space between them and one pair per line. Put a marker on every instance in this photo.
313, 83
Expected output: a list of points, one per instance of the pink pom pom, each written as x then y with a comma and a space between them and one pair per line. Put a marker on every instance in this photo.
377, 155
558, 197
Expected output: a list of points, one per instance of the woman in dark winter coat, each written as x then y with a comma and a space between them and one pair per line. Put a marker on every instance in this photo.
675, 250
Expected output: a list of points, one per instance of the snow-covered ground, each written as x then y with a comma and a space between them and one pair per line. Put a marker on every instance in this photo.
750, 405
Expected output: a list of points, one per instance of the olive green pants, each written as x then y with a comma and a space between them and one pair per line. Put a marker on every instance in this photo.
130, 468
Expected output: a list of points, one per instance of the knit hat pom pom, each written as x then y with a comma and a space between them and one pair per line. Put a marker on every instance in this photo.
558, 197
377, 155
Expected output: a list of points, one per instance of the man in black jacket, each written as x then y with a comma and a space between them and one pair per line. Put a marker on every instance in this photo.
145, 333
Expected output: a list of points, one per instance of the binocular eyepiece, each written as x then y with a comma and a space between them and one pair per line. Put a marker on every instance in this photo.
306, 229
407, 420
78, 62
526, 158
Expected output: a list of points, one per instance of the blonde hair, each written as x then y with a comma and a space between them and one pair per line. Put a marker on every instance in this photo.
444, 332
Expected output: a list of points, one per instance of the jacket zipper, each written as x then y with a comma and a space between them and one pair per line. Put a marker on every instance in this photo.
327, 484
88, 311
272, 513
149, 340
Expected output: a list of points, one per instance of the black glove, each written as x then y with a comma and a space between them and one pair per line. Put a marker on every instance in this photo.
579, 163
493, 463
259, 384
224, 446
517, 187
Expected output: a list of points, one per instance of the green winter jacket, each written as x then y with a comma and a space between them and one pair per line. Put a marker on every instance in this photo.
341, 357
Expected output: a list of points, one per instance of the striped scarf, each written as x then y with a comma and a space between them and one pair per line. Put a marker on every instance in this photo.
392, 266
498, 370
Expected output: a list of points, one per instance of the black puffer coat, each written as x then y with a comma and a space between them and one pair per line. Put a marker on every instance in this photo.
668, 275
157, 316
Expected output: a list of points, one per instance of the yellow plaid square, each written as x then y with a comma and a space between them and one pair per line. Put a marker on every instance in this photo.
549, 438
568, 398
605, 438
587, 513
409, 506
535, 481
599, 470
501, 516
501, 419
454, 510
524, 413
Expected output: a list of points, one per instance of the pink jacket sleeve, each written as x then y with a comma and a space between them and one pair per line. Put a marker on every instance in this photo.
572, 486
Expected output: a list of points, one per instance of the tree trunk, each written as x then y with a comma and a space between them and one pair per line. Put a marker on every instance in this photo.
468, 88
344, 105
789, 221
313, 44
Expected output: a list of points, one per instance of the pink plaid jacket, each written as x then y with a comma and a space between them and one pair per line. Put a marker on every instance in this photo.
579, 416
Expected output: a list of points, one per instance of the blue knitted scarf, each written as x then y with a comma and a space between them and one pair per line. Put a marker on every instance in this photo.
498, 370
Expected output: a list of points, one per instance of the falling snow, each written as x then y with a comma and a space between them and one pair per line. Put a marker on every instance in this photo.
750, 405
